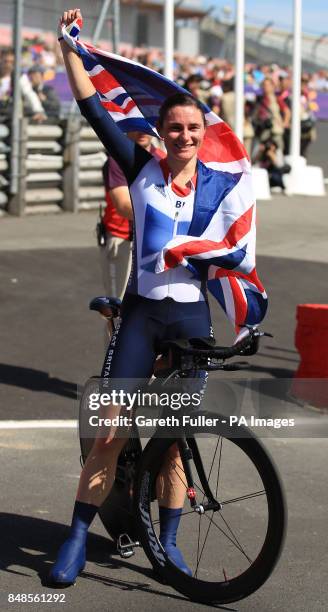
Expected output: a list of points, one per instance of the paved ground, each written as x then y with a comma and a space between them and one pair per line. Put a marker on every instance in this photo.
41, 474
51, 343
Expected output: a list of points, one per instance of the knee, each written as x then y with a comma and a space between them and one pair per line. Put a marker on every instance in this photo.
173, 452
109, 445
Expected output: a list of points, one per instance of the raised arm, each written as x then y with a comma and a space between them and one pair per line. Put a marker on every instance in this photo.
129, 156
79, 81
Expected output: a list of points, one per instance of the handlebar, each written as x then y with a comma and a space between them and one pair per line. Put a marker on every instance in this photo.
247, 346
201, 353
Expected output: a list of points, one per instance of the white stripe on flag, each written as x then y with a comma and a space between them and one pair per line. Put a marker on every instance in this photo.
228, 298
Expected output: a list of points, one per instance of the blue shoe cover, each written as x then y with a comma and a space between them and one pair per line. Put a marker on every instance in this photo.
70, 562
169, 519
175, 555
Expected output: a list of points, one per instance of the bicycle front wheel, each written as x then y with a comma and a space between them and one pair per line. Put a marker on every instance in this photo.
231, 547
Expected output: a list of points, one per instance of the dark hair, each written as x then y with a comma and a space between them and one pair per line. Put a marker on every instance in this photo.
6, 51
228, 85
193, 78
179, 99
268, 144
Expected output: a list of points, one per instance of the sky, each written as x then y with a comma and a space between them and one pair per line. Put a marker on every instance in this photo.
315, 13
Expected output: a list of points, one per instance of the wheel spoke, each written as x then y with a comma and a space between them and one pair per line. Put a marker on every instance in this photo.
201, 552
236, 544
243, 497
198, 542
239, 546
213, 460
156, 522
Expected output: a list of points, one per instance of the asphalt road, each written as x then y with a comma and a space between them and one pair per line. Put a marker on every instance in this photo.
51, 343
41, 472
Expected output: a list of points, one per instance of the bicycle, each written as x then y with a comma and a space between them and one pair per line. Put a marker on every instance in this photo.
226, 474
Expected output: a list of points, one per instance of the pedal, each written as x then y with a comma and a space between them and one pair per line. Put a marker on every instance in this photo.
126, 546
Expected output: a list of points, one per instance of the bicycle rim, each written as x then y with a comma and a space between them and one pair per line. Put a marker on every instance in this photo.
231, 551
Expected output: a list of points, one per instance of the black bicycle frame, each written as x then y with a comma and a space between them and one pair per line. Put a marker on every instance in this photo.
189, 450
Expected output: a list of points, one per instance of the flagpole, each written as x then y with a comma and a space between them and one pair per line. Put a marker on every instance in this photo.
116, 25
100, 21
168, 38
14, 206
239, 70
297, 68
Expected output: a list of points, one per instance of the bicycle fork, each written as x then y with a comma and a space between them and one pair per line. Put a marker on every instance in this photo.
189, 452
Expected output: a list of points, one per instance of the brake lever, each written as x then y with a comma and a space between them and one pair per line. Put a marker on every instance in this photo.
255, 332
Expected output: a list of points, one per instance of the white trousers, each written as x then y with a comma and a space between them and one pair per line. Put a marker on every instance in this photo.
115, 261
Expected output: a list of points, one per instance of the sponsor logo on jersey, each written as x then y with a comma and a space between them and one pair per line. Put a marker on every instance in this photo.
161, 189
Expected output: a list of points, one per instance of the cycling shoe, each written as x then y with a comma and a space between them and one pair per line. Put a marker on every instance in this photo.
70, 562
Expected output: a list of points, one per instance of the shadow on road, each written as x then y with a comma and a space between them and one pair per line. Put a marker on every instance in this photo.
275, 372
36, 380
31, 543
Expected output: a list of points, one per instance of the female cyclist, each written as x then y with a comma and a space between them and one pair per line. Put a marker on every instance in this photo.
172, 304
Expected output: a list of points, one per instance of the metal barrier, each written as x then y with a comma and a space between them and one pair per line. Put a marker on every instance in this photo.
4, 133
59, 168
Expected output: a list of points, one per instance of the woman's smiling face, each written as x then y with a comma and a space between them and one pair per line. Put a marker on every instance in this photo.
183, 132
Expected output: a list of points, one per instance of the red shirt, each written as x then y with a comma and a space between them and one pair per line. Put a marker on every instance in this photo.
113, 177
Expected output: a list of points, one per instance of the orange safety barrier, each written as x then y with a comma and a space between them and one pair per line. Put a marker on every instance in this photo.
311, 340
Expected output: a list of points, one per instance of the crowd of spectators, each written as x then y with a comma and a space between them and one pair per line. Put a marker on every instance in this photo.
268, 102
39, 99
267, 94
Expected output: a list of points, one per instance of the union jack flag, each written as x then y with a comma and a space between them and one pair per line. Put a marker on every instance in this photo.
132, 94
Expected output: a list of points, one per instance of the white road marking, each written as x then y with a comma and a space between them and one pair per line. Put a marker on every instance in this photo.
40, 424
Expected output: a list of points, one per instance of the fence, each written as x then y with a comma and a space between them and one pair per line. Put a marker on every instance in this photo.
59, 168
4, 134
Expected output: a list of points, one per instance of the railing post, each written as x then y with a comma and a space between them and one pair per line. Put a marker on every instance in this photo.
16, 203
71, 159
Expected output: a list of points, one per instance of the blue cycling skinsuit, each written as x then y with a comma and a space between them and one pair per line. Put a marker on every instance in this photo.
171, 304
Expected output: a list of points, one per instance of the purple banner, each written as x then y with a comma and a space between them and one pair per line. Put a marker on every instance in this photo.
62, 87
322, 101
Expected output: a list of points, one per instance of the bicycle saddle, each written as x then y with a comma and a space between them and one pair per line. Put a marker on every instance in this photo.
106, 305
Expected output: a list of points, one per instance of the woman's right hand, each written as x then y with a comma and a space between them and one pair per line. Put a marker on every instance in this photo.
69, 16
80, 83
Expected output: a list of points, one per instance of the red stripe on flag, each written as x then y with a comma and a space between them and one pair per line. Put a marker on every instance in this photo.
237, 230
104, 82
239, 302
112, 107
221, 145
251, 277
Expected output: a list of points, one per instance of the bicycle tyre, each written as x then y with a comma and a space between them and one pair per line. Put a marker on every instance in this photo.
253, 578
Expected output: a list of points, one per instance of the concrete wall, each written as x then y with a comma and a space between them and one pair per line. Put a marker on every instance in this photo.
188, 40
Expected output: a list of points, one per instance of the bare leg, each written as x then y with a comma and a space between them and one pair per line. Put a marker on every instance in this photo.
96, 481
171, 482
98, 474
